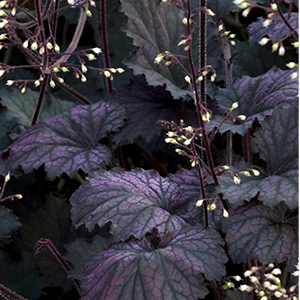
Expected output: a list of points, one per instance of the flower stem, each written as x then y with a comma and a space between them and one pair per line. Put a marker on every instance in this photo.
105, 41
40, 100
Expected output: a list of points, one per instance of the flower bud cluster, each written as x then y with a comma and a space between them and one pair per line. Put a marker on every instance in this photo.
266, 283
184, 137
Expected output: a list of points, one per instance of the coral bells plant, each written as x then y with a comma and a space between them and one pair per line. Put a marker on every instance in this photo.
175, 180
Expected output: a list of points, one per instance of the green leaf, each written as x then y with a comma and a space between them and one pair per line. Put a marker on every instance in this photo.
133, 270
8, 222
278, 144
255, 230
257, 98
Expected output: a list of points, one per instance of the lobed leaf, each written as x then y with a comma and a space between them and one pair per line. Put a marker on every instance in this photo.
133, 270
146, 105
257, 98
80, 252
277, 141
68, 142
156, 27
134, 202
271, 237
277, 30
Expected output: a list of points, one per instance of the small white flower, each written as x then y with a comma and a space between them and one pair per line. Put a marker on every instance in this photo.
96, 50
25, 44
255, 172
187, 79
52, 83
267, 23
34, 46
88, 12
3, 36
274, 6
49, 46
37, 83
56, 48
83, 78
210, 12
234, 105
264, 41
90, 56
9, 82
23, 90
120, 70
246, 12
226, 215
281, 50
2, 72
83, 68
42, 50
107, 74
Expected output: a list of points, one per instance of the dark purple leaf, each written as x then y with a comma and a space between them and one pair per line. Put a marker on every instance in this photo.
8, 222
146, 105
20, 275
149, 24
272, 189
271, 237
191, 193
80, 251
68, 142
132, 270
157, 27
224, 7
51, 221
277, 140
257, 98
276, 30
262, 59
135, 202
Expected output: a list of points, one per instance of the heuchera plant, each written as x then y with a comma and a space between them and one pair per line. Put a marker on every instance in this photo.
175, 180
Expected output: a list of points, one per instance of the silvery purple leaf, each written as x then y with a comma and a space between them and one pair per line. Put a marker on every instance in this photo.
134, 202
257, 98
277, 141
133, 270
267, 231
67, 142
276, 30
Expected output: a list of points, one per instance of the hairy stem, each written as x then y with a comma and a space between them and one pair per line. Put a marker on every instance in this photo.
6, 293
200, 100
294, 31
40, 246
105, 41
201, 185
40, 100
76, 38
